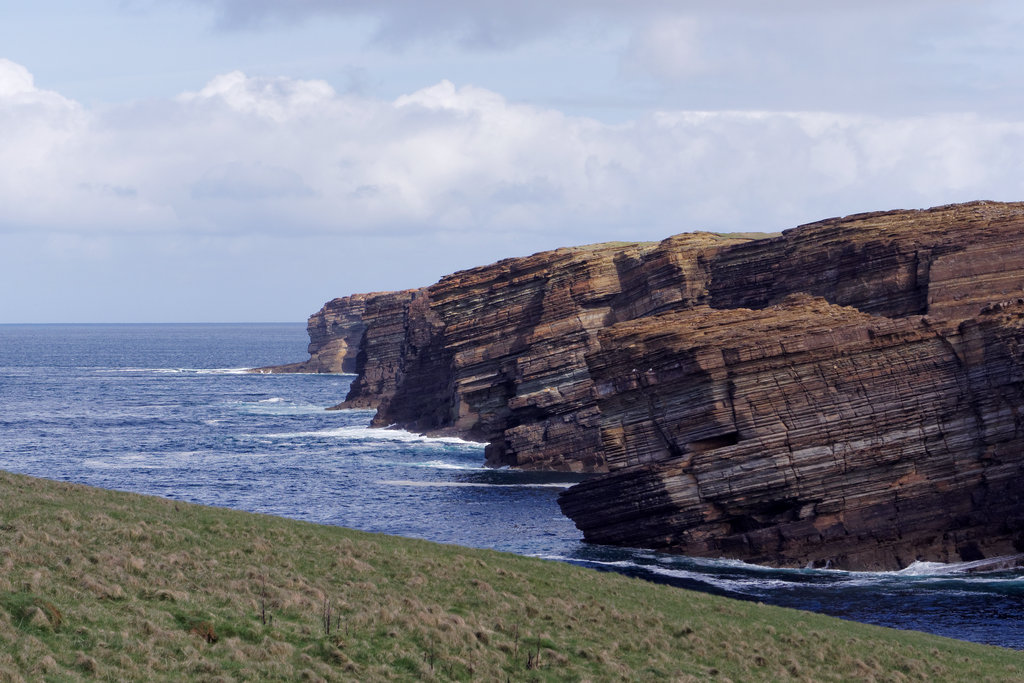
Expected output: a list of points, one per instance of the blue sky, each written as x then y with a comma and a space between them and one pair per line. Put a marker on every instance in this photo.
247, 160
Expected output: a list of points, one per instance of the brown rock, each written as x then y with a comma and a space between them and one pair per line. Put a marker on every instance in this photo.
809, 433
498, 353
847, 392
335, 332
804, 433
948, 262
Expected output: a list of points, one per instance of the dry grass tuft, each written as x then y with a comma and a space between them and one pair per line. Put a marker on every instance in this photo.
86, 663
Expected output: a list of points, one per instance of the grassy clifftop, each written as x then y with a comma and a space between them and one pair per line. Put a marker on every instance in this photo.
106, 585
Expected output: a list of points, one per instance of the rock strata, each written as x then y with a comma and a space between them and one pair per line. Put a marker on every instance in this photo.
335, 333
947, 262
848, 393
808, 433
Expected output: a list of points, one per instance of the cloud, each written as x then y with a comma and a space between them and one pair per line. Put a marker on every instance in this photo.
282, 157
278, 99
668, 49
249, 182
903, 58
15, 80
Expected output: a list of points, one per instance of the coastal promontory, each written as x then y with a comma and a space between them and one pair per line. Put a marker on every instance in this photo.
848, 393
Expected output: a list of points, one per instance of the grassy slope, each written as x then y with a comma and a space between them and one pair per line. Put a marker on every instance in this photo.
109, 585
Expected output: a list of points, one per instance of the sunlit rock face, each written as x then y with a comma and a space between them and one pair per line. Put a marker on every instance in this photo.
335, 333
499, 353
848, 393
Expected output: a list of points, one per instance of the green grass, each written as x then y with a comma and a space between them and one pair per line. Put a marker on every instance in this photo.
105, 585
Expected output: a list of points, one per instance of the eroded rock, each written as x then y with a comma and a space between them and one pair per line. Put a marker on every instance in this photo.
849, 392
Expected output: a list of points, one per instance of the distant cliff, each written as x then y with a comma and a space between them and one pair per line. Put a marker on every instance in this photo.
850, 392
498, 353
335, 332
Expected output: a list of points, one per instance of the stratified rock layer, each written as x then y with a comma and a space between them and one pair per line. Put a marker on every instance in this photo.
498, 353
778, 428
808, 433
848, 393
947, 262
335, 333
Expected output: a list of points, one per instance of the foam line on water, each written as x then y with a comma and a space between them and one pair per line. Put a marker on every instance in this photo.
442, 465
466, 484
748, 586
174, 371
916, 570
279, 406
372, 434
944, 569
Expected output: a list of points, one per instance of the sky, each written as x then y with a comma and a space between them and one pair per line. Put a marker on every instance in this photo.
248, 160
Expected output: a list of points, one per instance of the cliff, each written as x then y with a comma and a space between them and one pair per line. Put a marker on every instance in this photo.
846, 393
809, 433
335, 332
498, 353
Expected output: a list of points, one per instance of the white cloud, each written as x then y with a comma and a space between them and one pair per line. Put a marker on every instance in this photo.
277, 99
15, 80
278, 156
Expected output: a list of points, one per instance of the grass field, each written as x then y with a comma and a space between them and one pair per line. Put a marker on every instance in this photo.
102, 585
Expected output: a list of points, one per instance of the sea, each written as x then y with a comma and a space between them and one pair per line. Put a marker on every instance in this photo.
170, 410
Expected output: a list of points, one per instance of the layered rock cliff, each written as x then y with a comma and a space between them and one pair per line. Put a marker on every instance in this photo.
850, 392
335, 332
784, 429
809, 433
498, 353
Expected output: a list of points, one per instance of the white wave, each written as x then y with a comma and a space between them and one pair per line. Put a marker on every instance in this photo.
216, 371
750, 585
745, 585
466, 484
919, 573
442, 465
716, 563
278, 406
926, 569
176, 371
940, 569
372, 434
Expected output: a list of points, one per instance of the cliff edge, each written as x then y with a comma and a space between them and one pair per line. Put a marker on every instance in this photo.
849, 393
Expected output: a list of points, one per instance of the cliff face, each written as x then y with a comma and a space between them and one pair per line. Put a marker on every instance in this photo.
498, 353
808, 433
849, 392
947, 262
783, 429
335, 332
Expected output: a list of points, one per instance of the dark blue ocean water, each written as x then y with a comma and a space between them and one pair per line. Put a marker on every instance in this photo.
168, 410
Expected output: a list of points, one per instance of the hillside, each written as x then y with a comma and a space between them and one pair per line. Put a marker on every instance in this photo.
106, 585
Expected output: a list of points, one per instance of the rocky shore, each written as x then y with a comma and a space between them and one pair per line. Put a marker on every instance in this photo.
849, 393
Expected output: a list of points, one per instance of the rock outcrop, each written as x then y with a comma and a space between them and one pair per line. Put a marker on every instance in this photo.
335, 332
849, 393
809, 433
498, 353
947, 262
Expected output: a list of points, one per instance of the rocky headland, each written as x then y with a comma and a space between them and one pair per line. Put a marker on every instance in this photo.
849, 393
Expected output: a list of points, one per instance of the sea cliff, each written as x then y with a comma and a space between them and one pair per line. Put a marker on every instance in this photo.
848, 393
